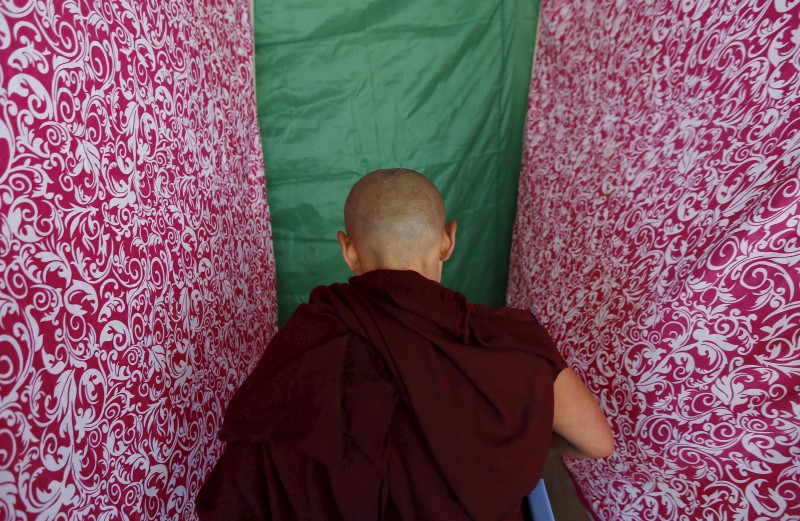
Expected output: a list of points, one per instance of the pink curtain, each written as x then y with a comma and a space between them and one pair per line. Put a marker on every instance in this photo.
136, 267
658, 237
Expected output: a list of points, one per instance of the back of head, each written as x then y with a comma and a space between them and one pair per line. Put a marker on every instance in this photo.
395, 215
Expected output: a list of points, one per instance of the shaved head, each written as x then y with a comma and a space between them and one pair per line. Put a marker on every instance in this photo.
394, 215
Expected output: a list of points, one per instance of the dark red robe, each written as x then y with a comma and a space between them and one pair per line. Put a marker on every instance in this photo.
391, 397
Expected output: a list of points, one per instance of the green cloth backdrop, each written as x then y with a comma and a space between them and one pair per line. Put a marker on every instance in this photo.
349, 86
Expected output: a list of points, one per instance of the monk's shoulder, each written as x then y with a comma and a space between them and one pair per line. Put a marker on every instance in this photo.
517, 329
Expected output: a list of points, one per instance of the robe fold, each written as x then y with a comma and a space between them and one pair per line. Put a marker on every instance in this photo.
390, 397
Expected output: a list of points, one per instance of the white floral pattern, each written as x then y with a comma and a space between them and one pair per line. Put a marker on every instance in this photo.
136, 269
658, 235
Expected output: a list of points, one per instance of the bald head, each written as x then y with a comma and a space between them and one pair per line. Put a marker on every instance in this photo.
395, 217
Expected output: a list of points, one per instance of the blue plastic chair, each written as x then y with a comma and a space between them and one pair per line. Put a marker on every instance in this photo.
539, 503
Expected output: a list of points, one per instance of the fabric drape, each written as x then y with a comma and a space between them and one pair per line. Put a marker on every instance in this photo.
347, 87
658, 238
137, 278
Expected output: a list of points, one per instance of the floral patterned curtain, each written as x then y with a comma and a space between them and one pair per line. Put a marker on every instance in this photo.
658, 236
136, 269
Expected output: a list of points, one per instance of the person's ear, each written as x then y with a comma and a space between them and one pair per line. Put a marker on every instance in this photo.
348, 251
448, 240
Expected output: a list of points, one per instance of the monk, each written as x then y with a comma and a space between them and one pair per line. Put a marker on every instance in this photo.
392, 397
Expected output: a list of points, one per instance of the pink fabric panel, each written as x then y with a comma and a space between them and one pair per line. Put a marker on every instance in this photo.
136, 270
658, 237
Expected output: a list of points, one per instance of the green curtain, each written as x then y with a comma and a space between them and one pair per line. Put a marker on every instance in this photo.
346, 87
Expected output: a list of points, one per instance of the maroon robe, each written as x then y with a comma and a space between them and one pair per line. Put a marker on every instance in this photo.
391, 397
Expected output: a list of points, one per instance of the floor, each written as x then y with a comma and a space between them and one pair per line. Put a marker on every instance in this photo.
563, 498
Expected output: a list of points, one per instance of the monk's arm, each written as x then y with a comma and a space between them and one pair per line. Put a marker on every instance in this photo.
580, 428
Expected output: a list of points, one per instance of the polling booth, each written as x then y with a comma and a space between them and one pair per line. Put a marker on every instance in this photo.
628, 171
